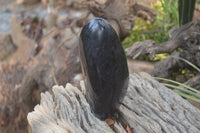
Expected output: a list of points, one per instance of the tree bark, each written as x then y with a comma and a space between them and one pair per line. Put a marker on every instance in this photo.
147, 107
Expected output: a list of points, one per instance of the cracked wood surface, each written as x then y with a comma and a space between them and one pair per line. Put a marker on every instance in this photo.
147, 107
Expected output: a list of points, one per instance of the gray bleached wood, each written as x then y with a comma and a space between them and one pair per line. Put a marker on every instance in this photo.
147, 107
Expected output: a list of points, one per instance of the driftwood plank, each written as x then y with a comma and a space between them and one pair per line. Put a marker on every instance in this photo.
147, 107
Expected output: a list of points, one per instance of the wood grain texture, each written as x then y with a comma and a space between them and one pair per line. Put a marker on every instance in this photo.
147, 107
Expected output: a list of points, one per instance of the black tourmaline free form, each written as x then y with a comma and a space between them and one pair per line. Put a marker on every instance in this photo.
104, 66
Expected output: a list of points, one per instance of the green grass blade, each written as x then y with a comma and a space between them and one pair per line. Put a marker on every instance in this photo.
186, 61
182, 89
172, 81
187, 96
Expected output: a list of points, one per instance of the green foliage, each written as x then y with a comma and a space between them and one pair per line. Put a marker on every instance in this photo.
145, 30
186, 11
167, 17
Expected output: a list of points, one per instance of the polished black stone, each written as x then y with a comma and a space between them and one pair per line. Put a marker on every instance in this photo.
104, 65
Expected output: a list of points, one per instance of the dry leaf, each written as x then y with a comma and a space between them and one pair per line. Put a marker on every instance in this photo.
128, 129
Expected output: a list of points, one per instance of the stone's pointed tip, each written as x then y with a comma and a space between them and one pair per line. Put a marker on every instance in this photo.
96, 24
97, 20
99, 31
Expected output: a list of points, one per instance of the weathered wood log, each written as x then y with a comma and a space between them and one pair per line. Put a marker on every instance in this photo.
186, 37
194, 82
147, 107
